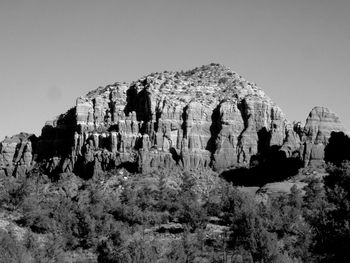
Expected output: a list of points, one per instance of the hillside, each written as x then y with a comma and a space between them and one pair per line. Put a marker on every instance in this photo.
194, 166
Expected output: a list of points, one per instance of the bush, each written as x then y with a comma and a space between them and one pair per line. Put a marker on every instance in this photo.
11, 251
332, 224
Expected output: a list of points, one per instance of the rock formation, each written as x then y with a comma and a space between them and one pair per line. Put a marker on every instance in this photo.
206, 117
317, 131
16, 154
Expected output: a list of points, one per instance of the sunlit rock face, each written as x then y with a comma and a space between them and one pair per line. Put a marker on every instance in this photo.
208, 117
16, 154
319, 125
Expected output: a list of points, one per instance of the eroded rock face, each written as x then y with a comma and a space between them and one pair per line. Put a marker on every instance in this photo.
318, 128
206, 117
16, 154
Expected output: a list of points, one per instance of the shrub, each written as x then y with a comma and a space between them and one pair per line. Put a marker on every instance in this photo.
11, 251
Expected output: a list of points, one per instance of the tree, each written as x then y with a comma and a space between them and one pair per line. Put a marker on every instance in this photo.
190, 212
249, 230
111, 249
332, 226
11, 251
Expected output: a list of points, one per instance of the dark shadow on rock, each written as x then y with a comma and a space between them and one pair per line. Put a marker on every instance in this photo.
264, 168
57, 139
131, 95
158, 116
143, 106
138, 143
144, 128
184, 120
215, 129
114, 128
177, 157
338, 148
84, 170
264, 138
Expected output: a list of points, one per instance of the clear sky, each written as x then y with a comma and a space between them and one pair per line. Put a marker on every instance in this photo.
51, 52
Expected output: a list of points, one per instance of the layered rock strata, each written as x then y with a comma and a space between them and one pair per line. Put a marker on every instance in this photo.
318, 128
206, 117
16, 154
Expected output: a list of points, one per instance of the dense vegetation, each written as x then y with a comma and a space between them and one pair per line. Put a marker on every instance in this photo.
177, 217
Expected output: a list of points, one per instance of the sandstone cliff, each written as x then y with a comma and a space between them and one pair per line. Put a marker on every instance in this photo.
318, 128
206, 117
209, 116
16, 154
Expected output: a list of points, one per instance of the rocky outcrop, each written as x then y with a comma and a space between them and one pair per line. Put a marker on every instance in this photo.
206, 117
16, 154
318, 128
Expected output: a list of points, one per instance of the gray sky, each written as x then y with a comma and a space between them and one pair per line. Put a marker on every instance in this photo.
51, 52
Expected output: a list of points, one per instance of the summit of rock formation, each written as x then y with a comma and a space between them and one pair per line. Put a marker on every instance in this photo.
206, 117
319, 125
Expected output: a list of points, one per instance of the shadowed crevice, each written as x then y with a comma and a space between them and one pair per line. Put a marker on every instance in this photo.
264, 168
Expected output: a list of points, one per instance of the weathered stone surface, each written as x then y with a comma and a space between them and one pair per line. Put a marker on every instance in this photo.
209, 116
206, 117
292, 143
318, 128
16, 154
